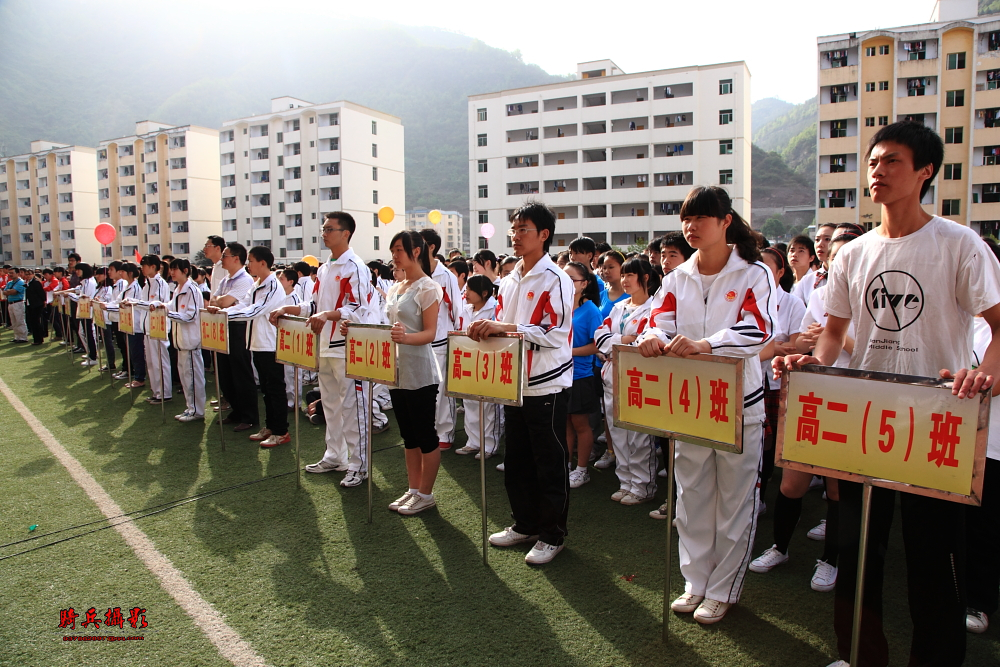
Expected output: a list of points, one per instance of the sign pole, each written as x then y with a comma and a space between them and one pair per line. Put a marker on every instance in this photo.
368, 447
298, 465
482, 480
98, 343
128, 360
163, 409
859, 589
218, 396
69, 342
667, 559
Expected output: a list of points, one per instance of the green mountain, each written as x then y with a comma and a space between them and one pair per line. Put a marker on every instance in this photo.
767, 109
104, 67
784, 155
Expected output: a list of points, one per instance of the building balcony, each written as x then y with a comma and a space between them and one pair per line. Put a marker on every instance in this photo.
326, 181
987, 99
986, 174
918, 68
561, 185
327, 131
986, 136
838, 145
630, 181
560, 104
529, 134
293, 137
294, 208
917, 104
556, 159
837, 110
259, 142
263, 164
839, 181
630, 210
630, 124
293, 160
522, 161
560, 131
836, 76
630, 152
260, 188
981, 211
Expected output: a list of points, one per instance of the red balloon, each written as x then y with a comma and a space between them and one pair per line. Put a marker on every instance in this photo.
105, 233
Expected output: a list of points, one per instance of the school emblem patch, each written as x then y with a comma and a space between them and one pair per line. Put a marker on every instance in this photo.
731, 295
531, 295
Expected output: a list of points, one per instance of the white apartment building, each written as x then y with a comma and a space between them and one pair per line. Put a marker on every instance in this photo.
160, 189
48, 205
451, 227
282, 171
614, 154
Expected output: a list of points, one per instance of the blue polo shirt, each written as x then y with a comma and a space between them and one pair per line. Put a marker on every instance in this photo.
19, 286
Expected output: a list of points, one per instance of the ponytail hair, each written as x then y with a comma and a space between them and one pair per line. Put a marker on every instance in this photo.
591, 292
412, 240
788, 277
640, 266
714, 202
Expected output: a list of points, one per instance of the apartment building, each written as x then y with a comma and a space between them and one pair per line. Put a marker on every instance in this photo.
48, 205
452, 228
282, 171
614, 154
160, 189
944, 74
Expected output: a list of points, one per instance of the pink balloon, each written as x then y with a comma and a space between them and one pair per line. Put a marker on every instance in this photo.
487, 231
105, 233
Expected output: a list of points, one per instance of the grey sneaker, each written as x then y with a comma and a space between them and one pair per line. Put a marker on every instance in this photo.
578, 478
189, 417
975, 621
508, 537
353, 478
619, 494
416, 504
542, 553
468, 449
325, 466
660, 513
500, 466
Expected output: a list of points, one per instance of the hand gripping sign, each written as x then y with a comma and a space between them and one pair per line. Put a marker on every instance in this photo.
84, 308
214, 331
297, 345
126, 318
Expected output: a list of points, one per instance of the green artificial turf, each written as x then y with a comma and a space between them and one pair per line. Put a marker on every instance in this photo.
303, 577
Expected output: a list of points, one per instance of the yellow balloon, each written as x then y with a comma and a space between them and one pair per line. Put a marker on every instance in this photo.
310, 260
386, 215
434, 216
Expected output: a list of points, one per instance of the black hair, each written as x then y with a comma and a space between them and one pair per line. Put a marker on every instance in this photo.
411, 240
432, 238
181, 265
591, 291
602, 247
583, 245
86, 270
301, 268
923, 142
788, 277
73, 255
147, 260
346, 221
60, 269
237, 250
714, 202
640, 266
826, 224
461, 267
313, 270
808, 244
262, 254
217, 241
116, 265
481, 285
509, 259
849, 228
291, 275
486, 258
781, 247
540, 215
134, 272
46, 271
654, 245
677, 241
615, 255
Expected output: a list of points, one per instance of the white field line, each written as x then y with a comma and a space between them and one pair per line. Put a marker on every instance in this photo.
230, 645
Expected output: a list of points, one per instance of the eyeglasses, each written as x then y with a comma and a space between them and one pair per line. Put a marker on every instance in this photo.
580, 280
225, 255
326, 230
520, 231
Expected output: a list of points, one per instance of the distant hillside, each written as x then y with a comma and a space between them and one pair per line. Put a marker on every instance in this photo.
784, 154
779, 132
769, 108
775, 184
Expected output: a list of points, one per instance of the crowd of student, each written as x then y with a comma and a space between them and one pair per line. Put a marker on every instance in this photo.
717, 287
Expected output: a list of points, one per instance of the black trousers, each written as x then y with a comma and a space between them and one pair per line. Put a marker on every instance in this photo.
56, 317
109, 334
934, 539
982, 526
74, 325
35, 319
415, 416
236, 377
88, 328
535, 472
272, 382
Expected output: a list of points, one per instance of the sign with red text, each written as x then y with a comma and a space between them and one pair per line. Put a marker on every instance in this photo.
297, 345
902, 432
370, 354
99, 317
697, 400
214, 331
158, 323
490, 370
84, 308
126, 318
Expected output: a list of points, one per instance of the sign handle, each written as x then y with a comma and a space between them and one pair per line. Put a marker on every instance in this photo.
482, 480
368, 445
298, 465
669, 465
69, 341
859, 590
218, 397
98, 343
159, 365
111, 372
128, 361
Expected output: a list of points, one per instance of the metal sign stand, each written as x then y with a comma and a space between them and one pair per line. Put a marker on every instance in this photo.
667, 557
218, 397
97, 344
859, 589
298, 461
69, 339
128, 361
482, 480
159, 366
368, 445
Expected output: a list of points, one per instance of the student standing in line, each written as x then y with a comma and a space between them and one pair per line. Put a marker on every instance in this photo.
14, 291
611, 273
481, 306
34, 299
116, 287
239, 389
583, 394
288, 278
484, 263
157, 351
86, 288
74, 281
802, 259
59, 284
185, 334
904, 256
721, 301
136, 343
536, 299
413, 305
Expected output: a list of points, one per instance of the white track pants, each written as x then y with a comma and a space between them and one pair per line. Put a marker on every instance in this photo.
158, 367
345, 405
717, 514
191, 368
492, 425
290, 385
635, 455
444, 417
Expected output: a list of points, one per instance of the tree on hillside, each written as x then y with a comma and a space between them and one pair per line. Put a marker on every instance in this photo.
773, 228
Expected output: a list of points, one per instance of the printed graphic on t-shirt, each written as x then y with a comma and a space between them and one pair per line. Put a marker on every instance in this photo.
895, 300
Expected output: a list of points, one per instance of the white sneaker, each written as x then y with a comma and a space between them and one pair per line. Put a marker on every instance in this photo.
816, 483
824, 579
508, 537
839, 663
632, 499
416, 504
89, 362
819, 532
542, 553
399, 502
686, 603
468, 449
189, 417
602, 438
500, 466
662, 472
761, 509
661, 513
353, 478
488, 455
606, 461
711, 611
183, 414
768, 560
618, 495
976, 621
578, 478
324, 466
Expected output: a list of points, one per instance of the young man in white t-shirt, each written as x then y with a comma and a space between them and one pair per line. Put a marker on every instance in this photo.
912, 307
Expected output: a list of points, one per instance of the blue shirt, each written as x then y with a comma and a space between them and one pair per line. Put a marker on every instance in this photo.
18, 286
607, 304
586, 319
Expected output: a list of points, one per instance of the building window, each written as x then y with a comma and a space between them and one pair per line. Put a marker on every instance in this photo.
481, 114
374, 127
953, 172
375, 220
870, 87
956, 60
725, 117
375, 196
726, 87
953, 135
375, 242
484, 191
869, 50
374, 150
725, 146
484, 243
883, 50
883, 120
725, 177
481, 140
883, 85
374, 173
838, 129
955, 98
870, 121
481, 167
950, 207
484, 217
838, 164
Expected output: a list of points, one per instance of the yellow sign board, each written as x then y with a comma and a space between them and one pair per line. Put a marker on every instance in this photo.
126, 318
371, 355
84, 308
697, 400
297, 344
214, 331
158, 323
99, 319
490, 370
899, 432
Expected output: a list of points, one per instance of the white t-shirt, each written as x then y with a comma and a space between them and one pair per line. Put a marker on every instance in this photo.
912, 299
789, 320
981, 337
817, 313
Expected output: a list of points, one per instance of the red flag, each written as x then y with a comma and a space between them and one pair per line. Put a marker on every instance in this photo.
138, 257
